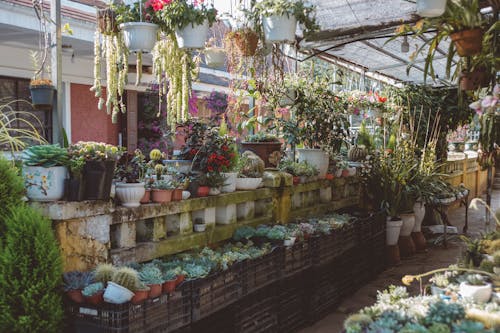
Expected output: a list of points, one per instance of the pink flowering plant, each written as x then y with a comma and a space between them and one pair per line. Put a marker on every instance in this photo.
177, 14
488, 104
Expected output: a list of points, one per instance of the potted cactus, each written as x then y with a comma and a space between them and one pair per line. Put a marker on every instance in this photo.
162, 191
45, 171
122, 286
93, 293
74, 283
104, 273
152, 277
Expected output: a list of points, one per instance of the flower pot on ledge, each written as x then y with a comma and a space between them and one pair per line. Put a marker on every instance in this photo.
269, 152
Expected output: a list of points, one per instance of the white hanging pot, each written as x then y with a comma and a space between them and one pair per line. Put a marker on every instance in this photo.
431, 8
279, 28
130, 194
215, 57
480, 294
44, 184
393, 228
116, 294
230, 182
419, 211
316, 157
139, 36
408, 224
192, 37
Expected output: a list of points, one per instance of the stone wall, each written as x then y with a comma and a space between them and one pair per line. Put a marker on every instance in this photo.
93, 232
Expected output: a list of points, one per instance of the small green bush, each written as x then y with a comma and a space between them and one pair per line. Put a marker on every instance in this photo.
30, 274
11, 190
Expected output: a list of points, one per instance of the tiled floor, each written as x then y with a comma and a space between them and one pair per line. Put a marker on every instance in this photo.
436, 257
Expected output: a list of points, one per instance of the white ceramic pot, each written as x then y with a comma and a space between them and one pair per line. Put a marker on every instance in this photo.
431, 8
192, 37
130, 194
247, 183
139, 36
44, 184
215, 57
116, 294
200, 227
279, 28
185, 195
214, 191
419, 211
289, 241
408, 224
480, 294
316, 157
435, 290
230, 182
393, 228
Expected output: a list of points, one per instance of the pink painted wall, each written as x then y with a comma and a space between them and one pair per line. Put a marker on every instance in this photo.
87, 122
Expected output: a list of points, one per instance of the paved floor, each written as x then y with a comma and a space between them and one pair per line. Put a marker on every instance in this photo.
436, 257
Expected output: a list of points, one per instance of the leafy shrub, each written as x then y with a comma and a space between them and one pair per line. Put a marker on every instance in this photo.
30, 274
11, 189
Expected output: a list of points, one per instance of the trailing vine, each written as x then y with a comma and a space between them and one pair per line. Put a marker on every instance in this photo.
177, 65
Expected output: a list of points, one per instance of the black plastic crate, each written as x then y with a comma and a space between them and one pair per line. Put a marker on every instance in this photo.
293, 294
257, 313
379, 223
296, 258
179, 308
364, 226
260, 272
219, 322
325, 248
325, 293
106, 318
215, 292
347, 236
155, 314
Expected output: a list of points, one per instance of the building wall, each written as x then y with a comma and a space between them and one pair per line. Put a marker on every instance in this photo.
87, 122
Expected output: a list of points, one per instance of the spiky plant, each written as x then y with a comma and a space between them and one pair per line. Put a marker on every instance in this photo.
126, 277
104, 273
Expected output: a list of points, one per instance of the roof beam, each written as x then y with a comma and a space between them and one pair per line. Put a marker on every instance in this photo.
399, 65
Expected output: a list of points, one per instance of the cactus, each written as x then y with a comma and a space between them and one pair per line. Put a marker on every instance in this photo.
150, 274
92, 289
104, 273
126, 277
155, 155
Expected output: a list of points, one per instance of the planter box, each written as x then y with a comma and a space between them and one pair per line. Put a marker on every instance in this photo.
260, 272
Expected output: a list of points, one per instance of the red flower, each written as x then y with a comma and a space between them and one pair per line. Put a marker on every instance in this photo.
225, 148
382, 99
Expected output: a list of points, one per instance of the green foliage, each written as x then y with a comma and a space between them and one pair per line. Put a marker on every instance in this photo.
261, 137
245, 232
76, 280
45, 156
473, 251
364, 138
11, 190
179, 14
92, 289
150, 274
104, 273
169, 275
476, 280
356, 322
414, 328
30, 274
446, 313
126, 277
388, 322
439, 328
467, 326
298, 168
250, 166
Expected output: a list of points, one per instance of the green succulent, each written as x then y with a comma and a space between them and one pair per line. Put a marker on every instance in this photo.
467, 326
245, 232
355, 323
45, 156
92, 289
388, 322
476, 280
76, 280
126, 277
414, 328
277, 232
439, 328
446, 313
150, 274
170, 275
104, 273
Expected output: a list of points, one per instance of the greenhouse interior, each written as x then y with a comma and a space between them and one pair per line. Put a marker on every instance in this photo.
337, 173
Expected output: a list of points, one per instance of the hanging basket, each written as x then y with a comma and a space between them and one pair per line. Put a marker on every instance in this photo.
106, 20
431, 8
246, 42
476, 79
42, 95
139, 36
192, 36
215, 57
468, 42
279, 28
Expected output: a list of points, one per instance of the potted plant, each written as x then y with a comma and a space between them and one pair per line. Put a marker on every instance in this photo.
93, 293
74, 185
122, 286
476, 288
104, 273
44, 172
140, 294
74, 282
170, 281
130, 189
162, 191
189, 21
199, 226
266, 146
431, 8
280, 17
441, 281
250, 169
215, 181
245, 40
41, 88
152, 277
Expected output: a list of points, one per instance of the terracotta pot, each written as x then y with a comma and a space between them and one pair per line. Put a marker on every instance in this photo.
161, 196
140, 296
180, 279
75, 295
146, 198
154, 290
203, 191
296, 180
329, 176
246, 42
103, 17
169, 286
95, 299
478, 78
177, 195
468, 42
345, 173
269, 152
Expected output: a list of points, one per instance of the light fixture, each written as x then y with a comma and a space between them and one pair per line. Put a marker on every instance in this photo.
405, 46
